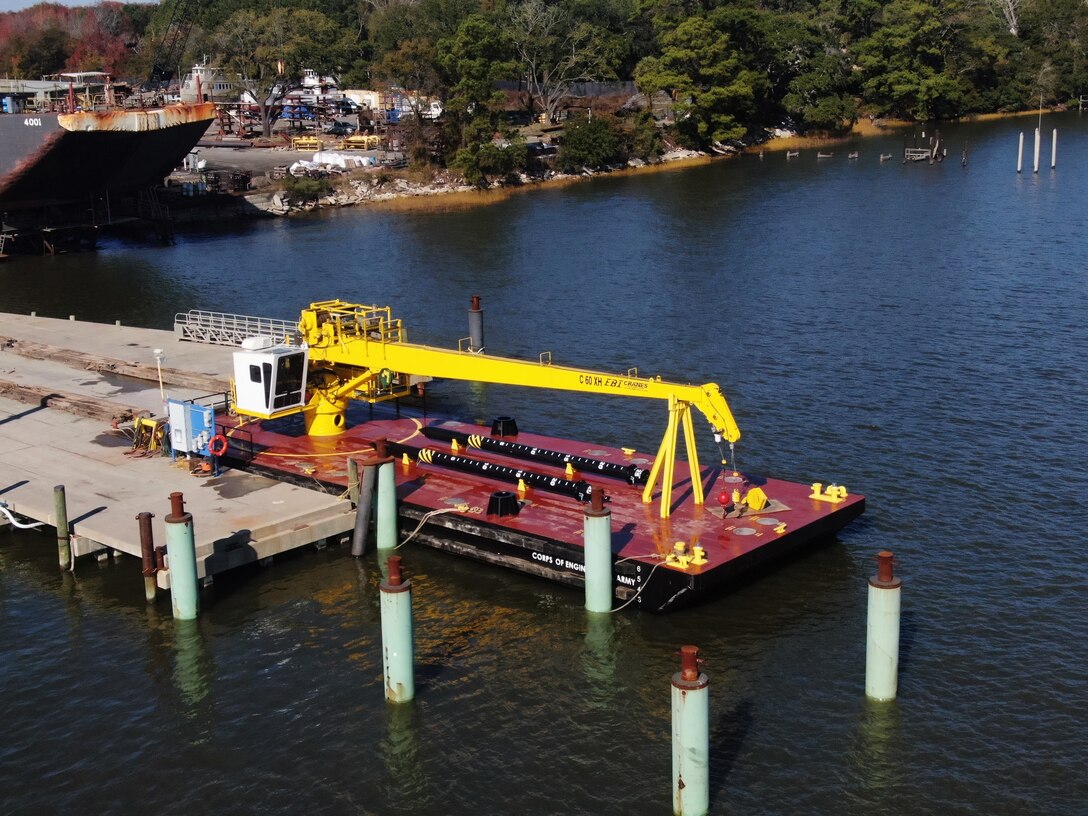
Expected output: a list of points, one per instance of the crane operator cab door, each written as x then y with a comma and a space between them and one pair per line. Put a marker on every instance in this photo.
269, 379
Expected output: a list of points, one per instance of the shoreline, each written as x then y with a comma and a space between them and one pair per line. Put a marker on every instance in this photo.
865, 128
368, 189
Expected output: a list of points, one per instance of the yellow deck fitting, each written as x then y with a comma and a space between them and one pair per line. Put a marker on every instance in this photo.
404, 460
756, 499
836, 494
780, 528
454, 446
628, 451
698, 555
678, 557
570, 471
522, 487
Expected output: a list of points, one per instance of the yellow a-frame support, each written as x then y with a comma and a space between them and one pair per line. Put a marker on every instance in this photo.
665, 462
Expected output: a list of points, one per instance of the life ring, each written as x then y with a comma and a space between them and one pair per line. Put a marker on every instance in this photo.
218, 445
385, 378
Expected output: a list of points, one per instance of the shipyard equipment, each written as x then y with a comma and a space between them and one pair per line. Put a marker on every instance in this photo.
356, 352
170, 45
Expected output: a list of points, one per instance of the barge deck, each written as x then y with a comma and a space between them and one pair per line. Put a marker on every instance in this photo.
453, 509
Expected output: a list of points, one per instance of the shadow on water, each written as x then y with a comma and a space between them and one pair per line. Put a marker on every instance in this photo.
726, 739
908, 629
457, 644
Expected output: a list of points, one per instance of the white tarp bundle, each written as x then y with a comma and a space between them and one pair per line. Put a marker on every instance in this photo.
345, 161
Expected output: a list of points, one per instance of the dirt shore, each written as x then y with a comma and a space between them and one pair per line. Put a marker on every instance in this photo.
378, 186
383, 186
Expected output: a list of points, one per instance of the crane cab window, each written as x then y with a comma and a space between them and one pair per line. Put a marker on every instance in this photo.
290, 376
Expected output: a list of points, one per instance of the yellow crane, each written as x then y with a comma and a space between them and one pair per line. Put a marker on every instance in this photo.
355, 352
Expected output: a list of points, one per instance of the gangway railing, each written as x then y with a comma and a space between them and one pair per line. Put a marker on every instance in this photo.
224, 329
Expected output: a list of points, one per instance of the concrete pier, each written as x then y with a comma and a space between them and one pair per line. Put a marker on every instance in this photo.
243, 517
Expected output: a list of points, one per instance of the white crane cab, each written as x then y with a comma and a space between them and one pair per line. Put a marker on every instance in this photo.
269, 379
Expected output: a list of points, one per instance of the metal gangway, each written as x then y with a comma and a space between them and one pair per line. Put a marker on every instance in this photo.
223, 329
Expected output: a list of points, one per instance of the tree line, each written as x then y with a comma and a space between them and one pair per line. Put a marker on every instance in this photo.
730, 70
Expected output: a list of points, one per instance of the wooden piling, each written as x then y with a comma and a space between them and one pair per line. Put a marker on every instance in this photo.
363, 511
64, 540
147, 553
353, 481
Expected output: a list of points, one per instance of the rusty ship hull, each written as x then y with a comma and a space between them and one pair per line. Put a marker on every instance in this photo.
57, 158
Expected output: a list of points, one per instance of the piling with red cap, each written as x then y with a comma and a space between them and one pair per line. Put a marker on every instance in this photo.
882, 631
387, 496
181, 560
597, 552
398, 654
690, 736
475, 326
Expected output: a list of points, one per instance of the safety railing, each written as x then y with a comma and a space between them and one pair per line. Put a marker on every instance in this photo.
223, 329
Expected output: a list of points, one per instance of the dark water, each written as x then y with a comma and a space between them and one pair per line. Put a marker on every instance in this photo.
914, 332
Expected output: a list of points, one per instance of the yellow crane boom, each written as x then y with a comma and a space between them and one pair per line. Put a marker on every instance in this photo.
361, 352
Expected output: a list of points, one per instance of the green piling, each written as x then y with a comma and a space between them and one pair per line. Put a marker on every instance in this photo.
181, 552
882, 631
597, 551
397, 650
690, 737
387, 498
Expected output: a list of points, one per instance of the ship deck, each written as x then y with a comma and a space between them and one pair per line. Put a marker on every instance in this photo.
545, 537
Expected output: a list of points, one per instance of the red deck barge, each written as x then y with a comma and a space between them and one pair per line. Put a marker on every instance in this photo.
545, 536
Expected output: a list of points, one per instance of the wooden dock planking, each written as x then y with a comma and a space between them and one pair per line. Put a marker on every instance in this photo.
238, 517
